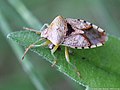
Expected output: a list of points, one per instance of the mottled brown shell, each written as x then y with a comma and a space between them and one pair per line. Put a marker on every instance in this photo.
91, 37
74, 33
56, 30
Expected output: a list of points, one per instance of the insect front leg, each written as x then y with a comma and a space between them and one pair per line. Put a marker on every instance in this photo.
52, 53
33, 46
44, 26
68, 60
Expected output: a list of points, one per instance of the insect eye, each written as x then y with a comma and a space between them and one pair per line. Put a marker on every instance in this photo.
84, 21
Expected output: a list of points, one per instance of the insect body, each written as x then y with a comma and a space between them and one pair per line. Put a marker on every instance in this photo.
74, 33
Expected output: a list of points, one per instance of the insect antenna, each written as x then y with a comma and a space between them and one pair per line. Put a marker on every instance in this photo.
33, 30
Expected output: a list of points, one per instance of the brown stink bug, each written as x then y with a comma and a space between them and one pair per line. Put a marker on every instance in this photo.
68, 32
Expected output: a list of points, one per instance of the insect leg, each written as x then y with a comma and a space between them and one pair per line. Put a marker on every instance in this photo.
52, 52
44, 26
33, 46
67, 55
68, 60
33, 30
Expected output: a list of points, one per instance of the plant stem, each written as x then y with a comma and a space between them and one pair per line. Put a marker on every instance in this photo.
25, 14
27, 66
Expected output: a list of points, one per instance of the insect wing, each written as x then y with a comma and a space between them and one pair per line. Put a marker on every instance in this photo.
76, 41
95, 37
79, 24
92, 37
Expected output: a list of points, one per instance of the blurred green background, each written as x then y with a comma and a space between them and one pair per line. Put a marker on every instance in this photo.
15, 14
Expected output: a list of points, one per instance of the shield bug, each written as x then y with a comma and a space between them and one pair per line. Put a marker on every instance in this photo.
68, 32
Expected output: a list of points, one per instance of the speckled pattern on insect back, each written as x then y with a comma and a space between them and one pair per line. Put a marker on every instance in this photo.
68, 32
74, 33
82, 34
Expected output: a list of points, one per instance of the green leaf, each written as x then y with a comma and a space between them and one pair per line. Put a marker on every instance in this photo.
99, 67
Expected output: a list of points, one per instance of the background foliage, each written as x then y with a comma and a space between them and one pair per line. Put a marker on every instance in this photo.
14, 14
